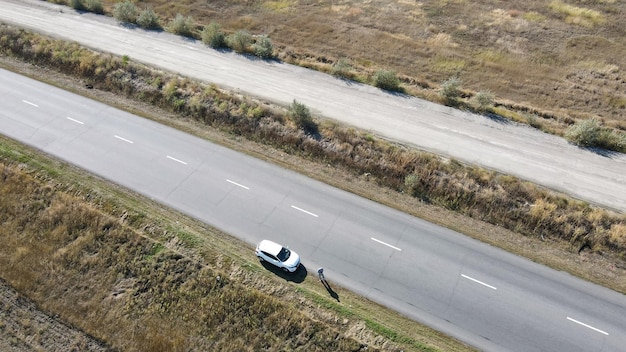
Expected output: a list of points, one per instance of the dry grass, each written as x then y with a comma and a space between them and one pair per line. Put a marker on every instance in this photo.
578, 15
536, 63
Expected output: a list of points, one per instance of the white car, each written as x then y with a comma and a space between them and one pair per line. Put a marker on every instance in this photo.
277, 255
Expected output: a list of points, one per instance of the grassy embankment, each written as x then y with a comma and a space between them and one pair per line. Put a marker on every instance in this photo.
552, 65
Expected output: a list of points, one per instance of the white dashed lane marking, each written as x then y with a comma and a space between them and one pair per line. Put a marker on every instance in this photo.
237, 184
74, 120
29, 103
478, 282
176, 160
588, 326
304, 211
386, 244
124, 139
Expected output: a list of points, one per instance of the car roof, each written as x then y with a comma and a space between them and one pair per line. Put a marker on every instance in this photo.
270, 247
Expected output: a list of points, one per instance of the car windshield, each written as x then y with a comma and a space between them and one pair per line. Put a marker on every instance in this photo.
284, 254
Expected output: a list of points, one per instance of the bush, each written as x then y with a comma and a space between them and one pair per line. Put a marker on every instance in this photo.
263, 47
484, 100
239, 41
451, 89
589, 133
301, 116
78, 5
532, 120
181, 25
584, 133
125, 12
94, 6
341, 68
213, 36
387, 80
148, 19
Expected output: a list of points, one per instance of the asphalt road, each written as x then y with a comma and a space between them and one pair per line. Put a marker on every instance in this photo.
482, 295
496, 144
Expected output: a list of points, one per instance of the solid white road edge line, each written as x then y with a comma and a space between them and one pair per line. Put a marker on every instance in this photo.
71, 119
588, 326
29, 103
479, 282
124, 139
386, 244
304, 211
237, 184
176, 160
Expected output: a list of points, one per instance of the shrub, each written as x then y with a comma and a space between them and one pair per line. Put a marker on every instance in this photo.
341, 68
148, 19
301, 116
263, 47
181, 25
213, 36
170, 90
451, 89
387, 80
95, 6
484, 100
411, 181
584, 133
125, 11
589, 133
78, 5
239, 41
532, 120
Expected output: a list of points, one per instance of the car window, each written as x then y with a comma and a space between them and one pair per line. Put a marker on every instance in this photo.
284, 254
269, 255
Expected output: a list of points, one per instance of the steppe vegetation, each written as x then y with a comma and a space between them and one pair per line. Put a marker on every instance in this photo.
551, 65
148, 19
213, 36
486, 195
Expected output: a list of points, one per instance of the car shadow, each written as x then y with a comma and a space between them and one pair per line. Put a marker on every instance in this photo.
297, 276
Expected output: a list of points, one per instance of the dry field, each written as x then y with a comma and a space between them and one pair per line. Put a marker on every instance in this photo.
561, 60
